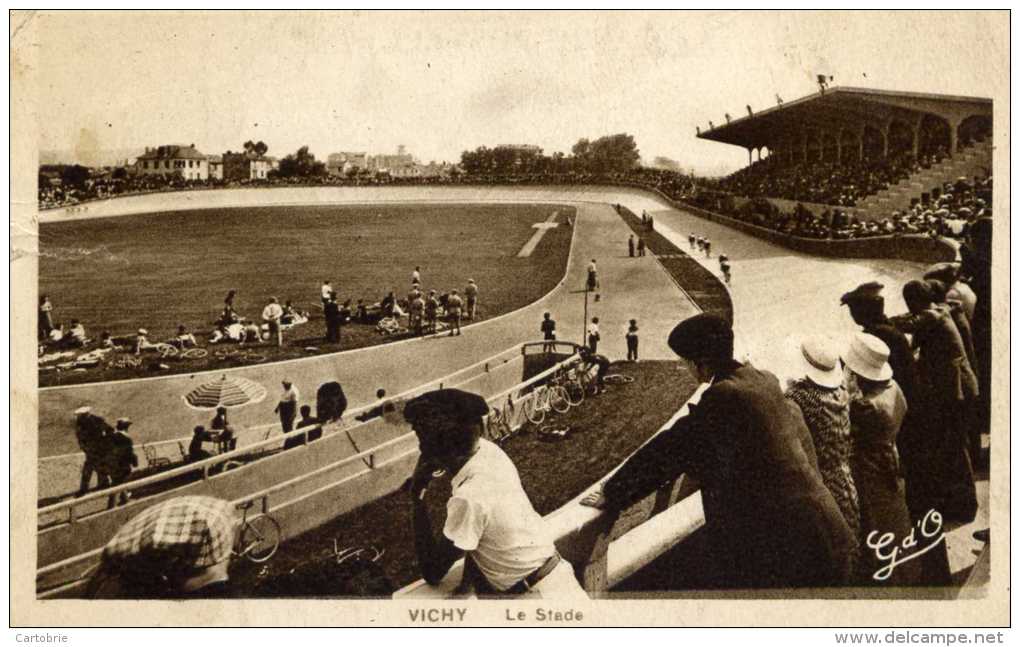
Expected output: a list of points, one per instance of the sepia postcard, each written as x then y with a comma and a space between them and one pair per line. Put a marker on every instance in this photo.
510, 318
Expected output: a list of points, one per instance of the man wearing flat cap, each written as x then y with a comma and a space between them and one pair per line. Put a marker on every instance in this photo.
770, 520
489, 519
93, 435
867, 308
121, 459
949, 273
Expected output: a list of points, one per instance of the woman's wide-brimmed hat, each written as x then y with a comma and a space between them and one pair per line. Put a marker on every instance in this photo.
868, 356
816, 358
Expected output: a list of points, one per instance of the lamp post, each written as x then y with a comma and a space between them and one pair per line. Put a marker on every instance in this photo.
584, 322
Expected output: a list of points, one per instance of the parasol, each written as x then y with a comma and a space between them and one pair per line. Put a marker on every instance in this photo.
225, 391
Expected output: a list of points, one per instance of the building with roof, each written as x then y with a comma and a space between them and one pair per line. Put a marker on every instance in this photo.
173, 159
344, 162
215, 167
844, 122
245, 166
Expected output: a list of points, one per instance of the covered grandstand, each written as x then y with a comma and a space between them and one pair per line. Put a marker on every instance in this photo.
871, 152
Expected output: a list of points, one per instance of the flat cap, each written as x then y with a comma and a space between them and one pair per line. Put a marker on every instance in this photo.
449, 404
918, 291
945, 272
81, 411
123, 423
870, 291
703, 336
178, 535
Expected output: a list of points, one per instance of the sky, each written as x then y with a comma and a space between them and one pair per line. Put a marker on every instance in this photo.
443, 82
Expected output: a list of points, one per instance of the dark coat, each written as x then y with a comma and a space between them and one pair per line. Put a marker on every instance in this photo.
771, 521
122, 454
901, 358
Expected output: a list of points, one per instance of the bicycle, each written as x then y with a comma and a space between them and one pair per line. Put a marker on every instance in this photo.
498, 427
259, 538
617, 378
548, 397
573, 392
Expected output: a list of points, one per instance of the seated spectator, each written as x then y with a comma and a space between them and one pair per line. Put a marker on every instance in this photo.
142, 341
56, 335
489, 519
106, 341
184, 338
252, 334
226, 440
289, 314
313, 434
195, 450
75, 336
379, 410
231, 332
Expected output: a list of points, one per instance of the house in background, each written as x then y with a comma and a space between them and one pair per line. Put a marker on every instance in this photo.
215, 167
249, 165
173, 159
344, 162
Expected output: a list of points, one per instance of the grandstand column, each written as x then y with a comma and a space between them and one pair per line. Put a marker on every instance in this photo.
749, 160
860, 143
954, 127
885, 137
915, 132
839, 146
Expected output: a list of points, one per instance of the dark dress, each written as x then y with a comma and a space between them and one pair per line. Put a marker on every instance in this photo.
770, 521
875, 420
827, 415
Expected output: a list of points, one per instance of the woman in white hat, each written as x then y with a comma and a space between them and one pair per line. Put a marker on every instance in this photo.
876, 414
817, 388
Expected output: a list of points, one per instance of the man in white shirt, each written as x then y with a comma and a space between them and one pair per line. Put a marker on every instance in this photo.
593, 335
416, 275
288, 405
489, 520
271, 314
327, 292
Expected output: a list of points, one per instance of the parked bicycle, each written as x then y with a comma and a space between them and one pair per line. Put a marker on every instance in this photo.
259, 538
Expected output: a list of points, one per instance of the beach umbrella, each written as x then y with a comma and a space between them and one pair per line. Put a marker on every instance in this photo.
226, 391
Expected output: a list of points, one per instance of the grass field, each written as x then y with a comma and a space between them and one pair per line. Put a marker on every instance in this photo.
164, 269
604, 431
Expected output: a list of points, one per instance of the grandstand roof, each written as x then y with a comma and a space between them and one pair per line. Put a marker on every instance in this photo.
845, 106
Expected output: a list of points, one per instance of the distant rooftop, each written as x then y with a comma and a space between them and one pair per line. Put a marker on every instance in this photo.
172, 151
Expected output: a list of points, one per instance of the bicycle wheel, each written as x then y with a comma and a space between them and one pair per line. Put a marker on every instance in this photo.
574, 391
194, 353
558, 399
260, 538
534, 407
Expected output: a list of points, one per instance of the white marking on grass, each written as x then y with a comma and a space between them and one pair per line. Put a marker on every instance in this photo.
536, 238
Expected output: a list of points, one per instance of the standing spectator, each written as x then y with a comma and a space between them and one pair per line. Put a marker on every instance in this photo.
287, 406
92, 433
593, 279
471, 294
45, 317
226, 440
431, 312
876, 414
948, 387
651, 222
630, 246
330, 402
691, 240
955, 309
770, 521
271, 314
332, 314
548, 332
489, 519
416, 313
724, 267
416, 276
708, 248
593, 335
640, 246
949, 273
121, 461
824, 402
976, 254
632, 341
453, 308
326, 292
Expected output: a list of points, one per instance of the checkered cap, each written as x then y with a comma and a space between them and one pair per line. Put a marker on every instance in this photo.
184, 533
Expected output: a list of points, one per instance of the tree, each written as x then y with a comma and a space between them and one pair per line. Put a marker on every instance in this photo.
74, 175
260, 148
614, 154
249, 146
301, 164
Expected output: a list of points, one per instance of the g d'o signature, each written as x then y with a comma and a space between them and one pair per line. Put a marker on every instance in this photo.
887, 551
